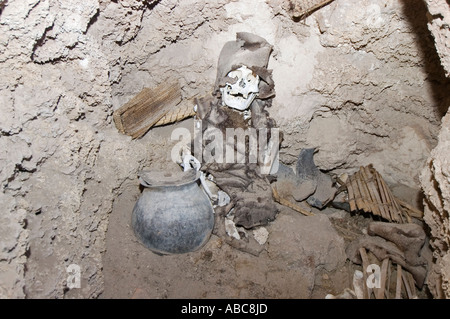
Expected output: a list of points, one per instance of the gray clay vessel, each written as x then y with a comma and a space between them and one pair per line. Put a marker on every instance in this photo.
173, 215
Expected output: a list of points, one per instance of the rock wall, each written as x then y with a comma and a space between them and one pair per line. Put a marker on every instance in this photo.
438, 23
359, 80
435, 178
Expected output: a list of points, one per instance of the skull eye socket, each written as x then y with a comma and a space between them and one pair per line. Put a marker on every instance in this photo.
239, 94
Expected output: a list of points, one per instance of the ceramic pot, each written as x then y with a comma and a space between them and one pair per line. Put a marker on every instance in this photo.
173, 215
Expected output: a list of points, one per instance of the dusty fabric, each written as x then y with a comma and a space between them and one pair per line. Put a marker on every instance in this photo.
249, 50
250, 192
404, 244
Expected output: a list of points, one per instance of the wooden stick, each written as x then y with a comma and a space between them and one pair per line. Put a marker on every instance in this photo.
384, 268
409, 286
413, 285
287, 203
398, 288
375, 192
371, 192
397, 209
387, 197
308, 7
386, 192
365, 264
365, 205
351, 196
387, 293
382, 194
412, 210
359, 202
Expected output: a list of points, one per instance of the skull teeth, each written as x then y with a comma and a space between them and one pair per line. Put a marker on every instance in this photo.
240, 94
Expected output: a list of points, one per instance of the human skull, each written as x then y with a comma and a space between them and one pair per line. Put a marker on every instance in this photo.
242, 93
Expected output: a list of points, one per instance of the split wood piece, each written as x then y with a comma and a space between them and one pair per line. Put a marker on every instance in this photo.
398, 288
397, 210
412, 283
414, 212
410, 286
182, 112
138, 115
371, 184
380, 293
365, 204
287, 203
406, 284
388, 280
365, 264
304, 7
351, 197
373, 203
400, 213
367, 191
384, 197
384, 190
358, 197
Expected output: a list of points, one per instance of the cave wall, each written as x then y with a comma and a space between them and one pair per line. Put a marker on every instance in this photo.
435, 178
359, 80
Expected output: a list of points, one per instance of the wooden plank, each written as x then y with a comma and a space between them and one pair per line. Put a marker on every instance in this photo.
364, 195
351, 196
388, 280
364, 205
396, 211
407, 286
410, 287
398, 288
384, 269
382, 194
371, 195
386, 193
371, 183
357, 194
414, 212
302, 8
287, 203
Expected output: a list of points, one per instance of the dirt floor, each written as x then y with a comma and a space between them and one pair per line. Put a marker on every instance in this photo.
303, 258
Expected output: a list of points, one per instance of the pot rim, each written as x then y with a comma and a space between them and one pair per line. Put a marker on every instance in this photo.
168, 179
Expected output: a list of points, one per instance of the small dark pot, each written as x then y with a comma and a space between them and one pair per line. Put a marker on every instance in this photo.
173, 214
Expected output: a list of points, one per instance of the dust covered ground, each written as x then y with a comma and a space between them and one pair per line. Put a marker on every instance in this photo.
287, 268
303, 258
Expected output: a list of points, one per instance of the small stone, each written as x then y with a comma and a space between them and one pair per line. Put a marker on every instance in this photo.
231, 230
261, 235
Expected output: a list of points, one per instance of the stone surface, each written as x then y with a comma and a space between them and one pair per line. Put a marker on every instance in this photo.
287, 269
435, 177
306, 243
360, 75
438, 22
436, 186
